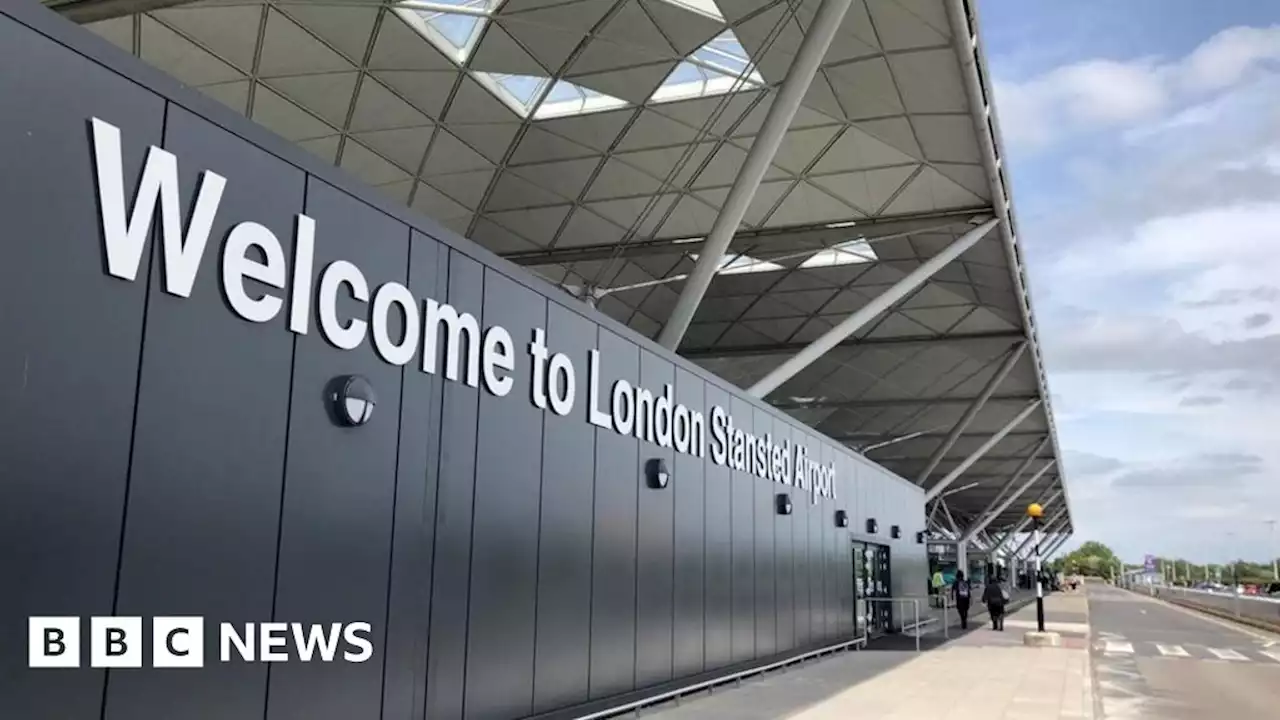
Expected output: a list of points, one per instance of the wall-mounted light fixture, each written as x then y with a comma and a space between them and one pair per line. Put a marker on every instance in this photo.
656, 471
895, 532
784, 504
920, 538
842, 518
873, 527
352, 399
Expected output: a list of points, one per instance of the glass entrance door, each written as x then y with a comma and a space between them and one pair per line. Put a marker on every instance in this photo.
871, 579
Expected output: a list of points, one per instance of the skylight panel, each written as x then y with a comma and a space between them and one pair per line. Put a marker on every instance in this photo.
846, 253
453, 26
742, 264
706, 7
566, 98
521, 93
718, 67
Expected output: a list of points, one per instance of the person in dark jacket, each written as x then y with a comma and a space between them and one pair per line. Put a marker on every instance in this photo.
960, 592
994, 596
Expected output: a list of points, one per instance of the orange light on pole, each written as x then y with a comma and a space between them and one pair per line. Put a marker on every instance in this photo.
1034, 511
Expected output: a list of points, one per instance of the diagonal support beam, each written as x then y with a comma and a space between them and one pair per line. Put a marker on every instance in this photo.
976, 455
785, 104
1057, 544
868, 312
1010, 360
87, 11
1048, 526
1017, 474
1022, 525
993, 513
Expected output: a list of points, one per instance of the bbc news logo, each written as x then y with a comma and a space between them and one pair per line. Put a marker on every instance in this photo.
178, 642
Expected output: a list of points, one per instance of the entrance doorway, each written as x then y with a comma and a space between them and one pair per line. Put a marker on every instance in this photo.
871, 579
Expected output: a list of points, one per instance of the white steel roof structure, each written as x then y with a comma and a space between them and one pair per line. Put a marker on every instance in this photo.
597, 142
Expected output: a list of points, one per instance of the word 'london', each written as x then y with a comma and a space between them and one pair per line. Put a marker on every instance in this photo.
252, 252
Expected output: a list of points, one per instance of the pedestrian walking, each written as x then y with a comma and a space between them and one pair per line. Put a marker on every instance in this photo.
995, 597
960, 591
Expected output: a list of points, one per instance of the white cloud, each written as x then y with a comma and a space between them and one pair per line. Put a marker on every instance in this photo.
1100, 93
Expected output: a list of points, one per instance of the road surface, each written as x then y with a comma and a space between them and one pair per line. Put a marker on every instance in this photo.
1154, 661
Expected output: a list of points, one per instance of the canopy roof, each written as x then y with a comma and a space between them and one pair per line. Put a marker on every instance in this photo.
594, 142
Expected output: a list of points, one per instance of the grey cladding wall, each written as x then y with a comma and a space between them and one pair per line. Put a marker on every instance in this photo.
159, 455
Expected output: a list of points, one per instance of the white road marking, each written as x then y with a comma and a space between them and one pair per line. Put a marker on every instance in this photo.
1172, 650
1228, 655
1116, 647
1273, 654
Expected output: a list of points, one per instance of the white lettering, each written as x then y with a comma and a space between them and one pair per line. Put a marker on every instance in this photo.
562, 384
644, 414
455, 325
719, 436
237, 265
352, 638
316, 638
680, 428
537, 381
389, 295
271, 635
662, 417
594, 415
623, 408
304, 252
497, 356
339, 273
124, 240
228, 637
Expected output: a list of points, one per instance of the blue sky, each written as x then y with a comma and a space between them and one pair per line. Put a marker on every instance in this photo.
1143, 141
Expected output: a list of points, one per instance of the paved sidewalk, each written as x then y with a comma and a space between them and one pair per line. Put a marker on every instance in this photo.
979, 675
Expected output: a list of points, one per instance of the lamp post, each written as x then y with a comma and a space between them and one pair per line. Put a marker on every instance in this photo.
1271, 549
1036, 513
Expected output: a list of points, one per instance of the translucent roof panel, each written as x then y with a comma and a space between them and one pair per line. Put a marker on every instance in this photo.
741, 264
706, 7
566, 98
453, 26
718, 67
846, 253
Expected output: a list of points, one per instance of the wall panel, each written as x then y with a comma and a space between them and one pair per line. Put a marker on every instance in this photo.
335, 534
743, 493
765, 512
208, 456
654, 545
504, 553
613, 579
563, 655
413, 533
785, 544
719, 548
455, 495
70, 351
690, 541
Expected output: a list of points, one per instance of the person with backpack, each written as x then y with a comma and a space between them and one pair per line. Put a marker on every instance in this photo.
995, 597
960, 591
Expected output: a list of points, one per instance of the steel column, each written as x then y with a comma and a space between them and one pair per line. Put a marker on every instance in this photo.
785, 104
1015, 353
868, 312
982, 450
995, 512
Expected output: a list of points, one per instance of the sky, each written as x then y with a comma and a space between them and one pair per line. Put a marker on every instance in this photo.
1142, 139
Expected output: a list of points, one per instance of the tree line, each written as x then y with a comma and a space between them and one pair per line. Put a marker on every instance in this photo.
1095, 559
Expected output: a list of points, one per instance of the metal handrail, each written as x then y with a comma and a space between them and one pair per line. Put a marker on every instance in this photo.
722, 679
915, 608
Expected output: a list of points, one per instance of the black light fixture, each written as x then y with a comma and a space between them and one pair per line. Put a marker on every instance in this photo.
784, 504
895, 532
352, 399
920, 538
873, 527
656, 472
842, 518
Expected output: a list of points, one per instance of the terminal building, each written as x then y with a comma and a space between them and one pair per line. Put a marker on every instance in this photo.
585, 350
